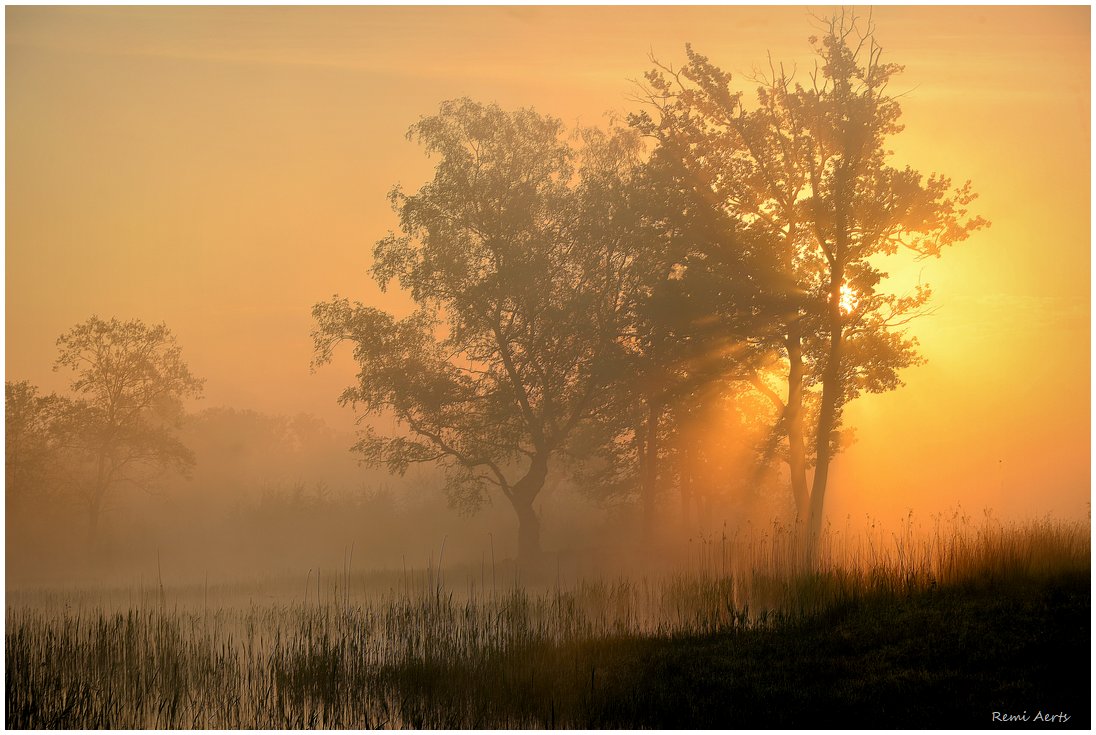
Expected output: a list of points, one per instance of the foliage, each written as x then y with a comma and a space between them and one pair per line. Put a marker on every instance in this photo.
517, 257
806, 168
129, 381
31, 447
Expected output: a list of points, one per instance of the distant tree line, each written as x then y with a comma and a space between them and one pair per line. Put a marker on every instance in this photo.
121, 444
587, 298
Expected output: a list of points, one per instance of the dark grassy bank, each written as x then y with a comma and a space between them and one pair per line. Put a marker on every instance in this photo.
932, 659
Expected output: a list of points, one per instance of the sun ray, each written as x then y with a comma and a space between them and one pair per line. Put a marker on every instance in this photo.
849, 299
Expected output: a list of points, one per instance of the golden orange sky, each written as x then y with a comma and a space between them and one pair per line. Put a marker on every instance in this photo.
223, 169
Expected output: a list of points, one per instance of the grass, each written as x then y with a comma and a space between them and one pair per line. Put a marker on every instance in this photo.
930, 659
900, 630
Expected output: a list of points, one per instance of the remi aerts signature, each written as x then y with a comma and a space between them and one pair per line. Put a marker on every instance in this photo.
1039, 716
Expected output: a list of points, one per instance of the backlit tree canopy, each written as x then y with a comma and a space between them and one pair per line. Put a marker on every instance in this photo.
591, 284
516, 253
807, 165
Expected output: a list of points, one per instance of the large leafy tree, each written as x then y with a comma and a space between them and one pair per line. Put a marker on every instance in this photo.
119, 427
807, 165
518, 257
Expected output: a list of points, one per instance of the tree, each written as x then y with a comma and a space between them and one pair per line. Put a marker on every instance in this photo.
31, 451
516, 253
129, 383
692, 338
693, 335
808, 167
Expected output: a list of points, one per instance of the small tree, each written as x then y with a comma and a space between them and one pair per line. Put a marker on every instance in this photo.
129, 383
516, 253
808, 166
31, 452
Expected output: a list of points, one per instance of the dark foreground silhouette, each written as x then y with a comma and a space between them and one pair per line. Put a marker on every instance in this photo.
937, 658
973, 654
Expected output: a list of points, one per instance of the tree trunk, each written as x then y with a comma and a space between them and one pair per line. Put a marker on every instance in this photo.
827, 417
793, 415
522, 496
687, 490
95, 502
93, 523
704, 508
529, 552
650, 471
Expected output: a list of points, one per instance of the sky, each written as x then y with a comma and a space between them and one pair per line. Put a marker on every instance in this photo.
224, 169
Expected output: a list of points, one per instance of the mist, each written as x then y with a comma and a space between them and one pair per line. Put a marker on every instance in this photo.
278, 498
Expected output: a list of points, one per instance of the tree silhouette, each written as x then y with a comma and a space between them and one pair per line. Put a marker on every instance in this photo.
807, 166
129, 383
31, 451
517, 257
